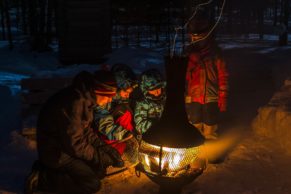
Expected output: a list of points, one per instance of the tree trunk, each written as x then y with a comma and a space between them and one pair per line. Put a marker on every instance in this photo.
33, 22
2, 20
7, 15
261, 22
17, 14
283, 39
229, 17
275, 13
24, 15
49, 24
168, 28
41, 41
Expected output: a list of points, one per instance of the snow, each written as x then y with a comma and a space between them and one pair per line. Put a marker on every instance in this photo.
274, 119
258, 164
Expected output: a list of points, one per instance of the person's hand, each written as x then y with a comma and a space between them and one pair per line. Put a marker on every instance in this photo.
115, 156
107, 156
120, 110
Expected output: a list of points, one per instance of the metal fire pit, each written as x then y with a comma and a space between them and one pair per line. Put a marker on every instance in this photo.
168, 152
171, 168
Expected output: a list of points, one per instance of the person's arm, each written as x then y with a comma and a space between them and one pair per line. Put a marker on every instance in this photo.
122, 115
142, 122
222, 84
74, 140
107, 127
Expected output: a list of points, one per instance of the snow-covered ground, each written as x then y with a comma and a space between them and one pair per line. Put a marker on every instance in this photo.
257, 165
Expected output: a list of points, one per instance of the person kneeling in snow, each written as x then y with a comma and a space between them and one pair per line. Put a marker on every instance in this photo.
115, 123
72, 158
149, 109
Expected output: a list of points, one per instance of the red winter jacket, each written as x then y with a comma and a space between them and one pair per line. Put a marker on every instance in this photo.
207, 77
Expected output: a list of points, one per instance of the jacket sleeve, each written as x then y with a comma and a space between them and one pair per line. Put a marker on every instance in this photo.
111, 130
76, 135
142, 123
222, 79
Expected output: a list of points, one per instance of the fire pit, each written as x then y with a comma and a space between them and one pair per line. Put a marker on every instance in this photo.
169, 150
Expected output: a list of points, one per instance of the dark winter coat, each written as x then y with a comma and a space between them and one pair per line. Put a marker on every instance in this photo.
63, 128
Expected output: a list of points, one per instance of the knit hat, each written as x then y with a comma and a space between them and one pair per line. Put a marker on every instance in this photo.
105, 84
124, 76
150, 80
199, 24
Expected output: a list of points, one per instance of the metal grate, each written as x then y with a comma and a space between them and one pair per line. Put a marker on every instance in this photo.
170, 162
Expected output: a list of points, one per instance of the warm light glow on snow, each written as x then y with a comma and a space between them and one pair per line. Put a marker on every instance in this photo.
215, 149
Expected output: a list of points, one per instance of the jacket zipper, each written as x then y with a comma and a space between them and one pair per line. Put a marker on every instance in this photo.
206, 78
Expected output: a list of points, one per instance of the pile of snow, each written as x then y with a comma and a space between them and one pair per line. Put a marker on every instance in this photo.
274, 119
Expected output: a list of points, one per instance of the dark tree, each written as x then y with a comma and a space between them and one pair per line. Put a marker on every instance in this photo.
8, 24
283, 38
2, 19
275, 12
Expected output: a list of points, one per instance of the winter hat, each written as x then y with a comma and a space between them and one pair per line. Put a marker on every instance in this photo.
151, 79
199, 24
84, 81
105, 84
124, 76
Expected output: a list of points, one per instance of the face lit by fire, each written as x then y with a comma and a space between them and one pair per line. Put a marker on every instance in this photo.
156, 92
103, 100
196, 37
125, 93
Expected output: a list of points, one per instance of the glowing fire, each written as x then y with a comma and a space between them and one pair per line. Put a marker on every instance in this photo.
172, 159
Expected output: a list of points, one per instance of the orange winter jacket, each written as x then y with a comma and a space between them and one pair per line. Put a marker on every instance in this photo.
206, 77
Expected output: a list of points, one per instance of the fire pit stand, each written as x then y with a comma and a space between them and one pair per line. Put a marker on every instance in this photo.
169, 150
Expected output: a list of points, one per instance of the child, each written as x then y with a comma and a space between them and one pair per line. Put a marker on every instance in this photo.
149, 109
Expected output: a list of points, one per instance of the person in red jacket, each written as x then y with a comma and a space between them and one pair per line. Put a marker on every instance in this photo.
206, 78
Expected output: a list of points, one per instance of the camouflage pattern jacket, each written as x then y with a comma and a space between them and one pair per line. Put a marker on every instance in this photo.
105, 125
146, 112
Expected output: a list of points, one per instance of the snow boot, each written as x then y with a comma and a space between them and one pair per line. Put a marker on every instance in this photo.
209, 132
31, 182
199, 126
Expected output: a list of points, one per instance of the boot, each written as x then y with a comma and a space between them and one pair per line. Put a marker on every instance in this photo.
199, 126
209, 132
31, 181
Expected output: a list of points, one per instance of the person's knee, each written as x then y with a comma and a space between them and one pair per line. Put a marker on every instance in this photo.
91, 186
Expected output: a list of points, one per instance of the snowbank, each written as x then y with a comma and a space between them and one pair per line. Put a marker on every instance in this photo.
274, 119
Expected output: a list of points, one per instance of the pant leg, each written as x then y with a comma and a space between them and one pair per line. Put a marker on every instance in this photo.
78, 177
210, 120
194, 111
210, 113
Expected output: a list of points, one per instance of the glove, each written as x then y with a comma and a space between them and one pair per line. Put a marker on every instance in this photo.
115, 156
222, 105
107, 156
